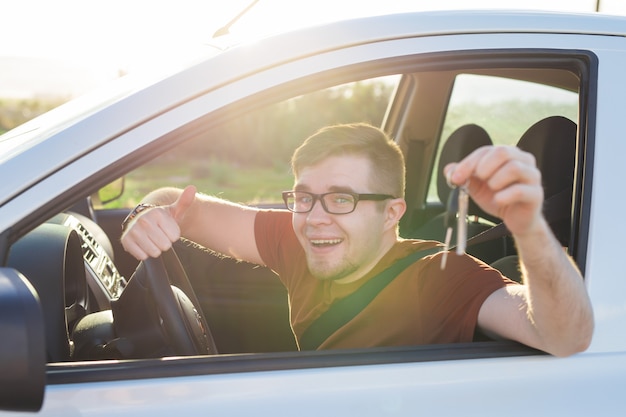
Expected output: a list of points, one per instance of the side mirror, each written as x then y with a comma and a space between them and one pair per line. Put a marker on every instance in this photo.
22, 345
109, 192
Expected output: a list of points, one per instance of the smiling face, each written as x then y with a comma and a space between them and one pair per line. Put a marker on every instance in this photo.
343, 247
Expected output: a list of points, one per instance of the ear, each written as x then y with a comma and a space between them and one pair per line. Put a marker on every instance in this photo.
394, 211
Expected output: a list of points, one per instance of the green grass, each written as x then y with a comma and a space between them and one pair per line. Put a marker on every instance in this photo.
250, 185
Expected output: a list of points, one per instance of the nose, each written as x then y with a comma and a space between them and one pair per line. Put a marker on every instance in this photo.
317, 213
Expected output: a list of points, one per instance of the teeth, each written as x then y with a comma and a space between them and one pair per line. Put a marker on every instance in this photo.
326, 242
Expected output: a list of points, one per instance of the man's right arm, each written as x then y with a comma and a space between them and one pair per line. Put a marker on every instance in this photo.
219, 225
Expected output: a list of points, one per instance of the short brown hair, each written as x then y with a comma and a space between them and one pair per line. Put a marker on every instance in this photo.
359, 139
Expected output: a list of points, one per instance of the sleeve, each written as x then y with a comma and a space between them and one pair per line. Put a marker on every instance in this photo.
276, 242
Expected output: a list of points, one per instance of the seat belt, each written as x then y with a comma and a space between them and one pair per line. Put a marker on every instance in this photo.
345, 309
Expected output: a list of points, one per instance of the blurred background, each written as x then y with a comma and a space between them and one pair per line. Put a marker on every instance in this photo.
55, 51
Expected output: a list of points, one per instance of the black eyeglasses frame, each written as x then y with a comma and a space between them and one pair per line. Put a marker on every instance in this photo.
320, 197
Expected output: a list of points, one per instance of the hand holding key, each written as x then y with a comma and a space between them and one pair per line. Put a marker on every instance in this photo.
505, 182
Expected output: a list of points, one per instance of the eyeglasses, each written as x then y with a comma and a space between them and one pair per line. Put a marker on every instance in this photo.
333, 203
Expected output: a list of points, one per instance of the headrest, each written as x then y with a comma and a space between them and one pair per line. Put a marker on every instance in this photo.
461, 143
552, 141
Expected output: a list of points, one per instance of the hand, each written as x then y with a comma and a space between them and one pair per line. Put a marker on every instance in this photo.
505, 182
153, 231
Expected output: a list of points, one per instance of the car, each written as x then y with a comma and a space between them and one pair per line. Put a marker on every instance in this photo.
83, 335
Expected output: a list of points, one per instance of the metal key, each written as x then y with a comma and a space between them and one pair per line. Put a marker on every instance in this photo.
461, 221
456, 211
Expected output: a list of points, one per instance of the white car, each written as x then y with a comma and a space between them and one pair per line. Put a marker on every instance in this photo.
80, 337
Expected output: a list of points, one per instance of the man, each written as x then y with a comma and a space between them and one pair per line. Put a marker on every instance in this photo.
342, 229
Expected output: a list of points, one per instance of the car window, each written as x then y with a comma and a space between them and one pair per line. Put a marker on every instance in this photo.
504, 107
242, 153
257, 171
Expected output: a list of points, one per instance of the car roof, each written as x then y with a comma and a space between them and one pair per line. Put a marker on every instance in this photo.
47, 143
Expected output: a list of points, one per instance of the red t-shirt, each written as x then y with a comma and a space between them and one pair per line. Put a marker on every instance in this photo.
422, 305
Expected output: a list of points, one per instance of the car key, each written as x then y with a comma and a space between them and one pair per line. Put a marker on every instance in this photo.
449, 219
456, 211
461, 221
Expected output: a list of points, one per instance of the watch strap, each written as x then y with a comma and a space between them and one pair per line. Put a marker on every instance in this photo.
135, 212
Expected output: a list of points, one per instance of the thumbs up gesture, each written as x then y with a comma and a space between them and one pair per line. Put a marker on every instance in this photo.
152, 230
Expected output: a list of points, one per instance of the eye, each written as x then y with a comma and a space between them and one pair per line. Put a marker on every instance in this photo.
303, 198
342, 199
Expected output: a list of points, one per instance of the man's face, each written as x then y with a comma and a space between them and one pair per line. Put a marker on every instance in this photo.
342, 247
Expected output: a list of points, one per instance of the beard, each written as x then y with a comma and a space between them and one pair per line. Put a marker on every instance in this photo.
324, 270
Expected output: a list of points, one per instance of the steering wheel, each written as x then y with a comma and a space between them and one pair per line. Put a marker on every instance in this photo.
182, 319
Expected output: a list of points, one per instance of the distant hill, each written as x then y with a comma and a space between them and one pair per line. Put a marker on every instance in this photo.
25, 77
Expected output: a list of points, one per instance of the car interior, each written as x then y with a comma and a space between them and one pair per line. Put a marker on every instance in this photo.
96, 305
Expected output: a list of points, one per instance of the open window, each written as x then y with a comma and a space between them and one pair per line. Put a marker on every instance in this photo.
420, 100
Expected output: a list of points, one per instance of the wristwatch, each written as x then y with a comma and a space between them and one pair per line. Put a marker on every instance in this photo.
141, 207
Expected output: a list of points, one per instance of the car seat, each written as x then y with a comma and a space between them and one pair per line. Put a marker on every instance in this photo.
461, 143
552, 141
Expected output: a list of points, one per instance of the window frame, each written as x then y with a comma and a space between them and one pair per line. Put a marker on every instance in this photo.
583, 61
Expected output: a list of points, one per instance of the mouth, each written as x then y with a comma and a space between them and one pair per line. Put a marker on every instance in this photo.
322, 243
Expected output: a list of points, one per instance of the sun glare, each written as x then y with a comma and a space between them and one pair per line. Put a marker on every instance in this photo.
112, 37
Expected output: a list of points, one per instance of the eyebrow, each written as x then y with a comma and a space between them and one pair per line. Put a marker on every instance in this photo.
331, 189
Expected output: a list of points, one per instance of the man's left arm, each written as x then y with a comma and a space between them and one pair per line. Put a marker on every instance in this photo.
551, 311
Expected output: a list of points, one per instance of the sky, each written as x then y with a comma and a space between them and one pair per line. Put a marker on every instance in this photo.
83, 43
